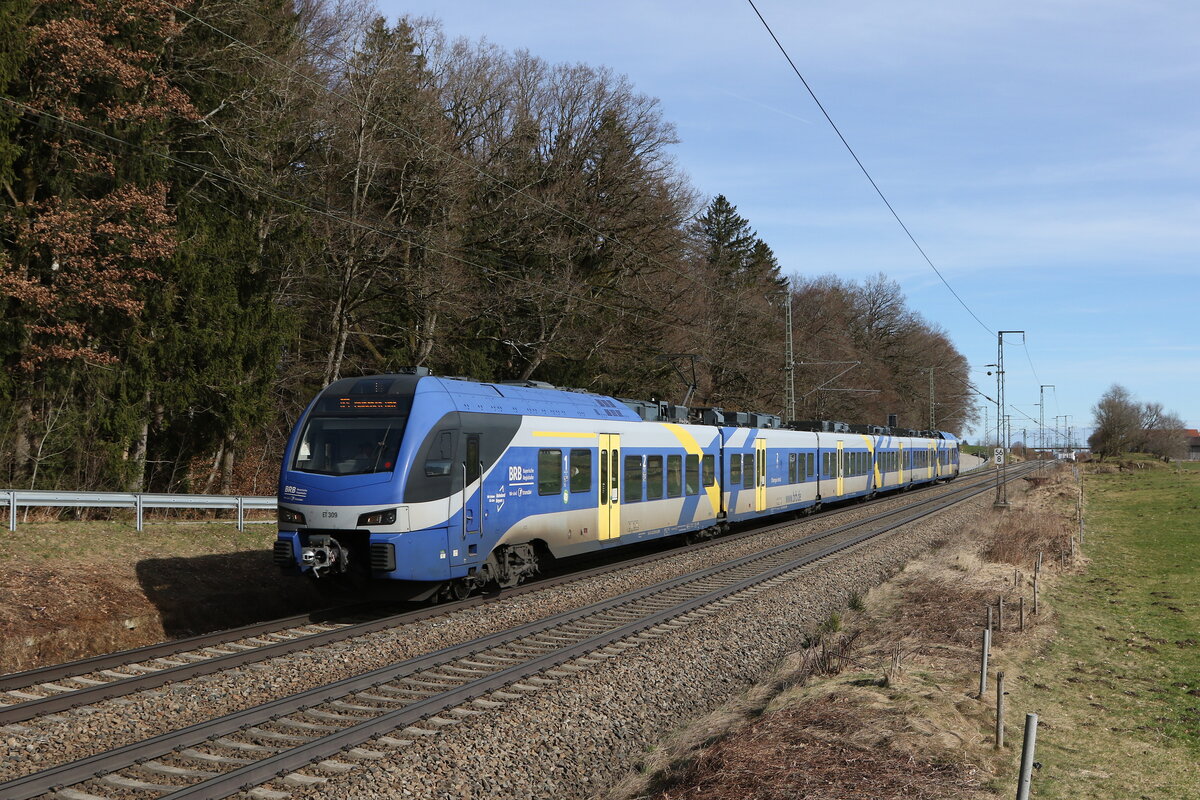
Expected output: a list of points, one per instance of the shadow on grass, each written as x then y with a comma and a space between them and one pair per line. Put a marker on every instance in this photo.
214, 592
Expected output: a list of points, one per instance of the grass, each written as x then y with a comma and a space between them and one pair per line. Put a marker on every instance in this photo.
73, 589
1118, 691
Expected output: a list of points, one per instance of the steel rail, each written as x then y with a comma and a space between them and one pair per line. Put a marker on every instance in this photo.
117, 687
108, 762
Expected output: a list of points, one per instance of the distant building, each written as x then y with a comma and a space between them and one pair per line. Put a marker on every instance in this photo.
1193, 444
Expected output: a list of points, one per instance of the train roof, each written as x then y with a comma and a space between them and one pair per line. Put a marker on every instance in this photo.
395, 392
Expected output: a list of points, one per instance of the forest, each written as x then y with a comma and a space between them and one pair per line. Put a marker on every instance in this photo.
211, 209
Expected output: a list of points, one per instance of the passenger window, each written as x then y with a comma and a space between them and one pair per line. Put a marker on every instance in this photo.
633, 479
472, 458
437, 463
692, 474
603, 477
674, 476
791, 468
708, 464
549, 471
581, 471
735, 470
748, 471
654, 477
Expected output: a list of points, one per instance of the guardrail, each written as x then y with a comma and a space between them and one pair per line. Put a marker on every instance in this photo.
15, 498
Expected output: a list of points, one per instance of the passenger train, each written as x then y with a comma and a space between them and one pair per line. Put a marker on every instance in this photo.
451, 485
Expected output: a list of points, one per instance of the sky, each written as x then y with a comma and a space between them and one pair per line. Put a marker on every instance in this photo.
1044, 153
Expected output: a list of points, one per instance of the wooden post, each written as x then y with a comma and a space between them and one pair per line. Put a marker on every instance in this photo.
989, 619
983, 661
1000, 613
999, 710
1035, 593
1022, 614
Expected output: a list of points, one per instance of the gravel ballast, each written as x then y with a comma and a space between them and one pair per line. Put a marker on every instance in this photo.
610, 712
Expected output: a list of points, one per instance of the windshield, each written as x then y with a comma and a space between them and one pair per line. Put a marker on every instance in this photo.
348, 445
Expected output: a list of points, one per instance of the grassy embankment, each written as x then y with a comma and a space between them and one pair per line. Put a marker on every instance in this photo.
73, 589
1111, 664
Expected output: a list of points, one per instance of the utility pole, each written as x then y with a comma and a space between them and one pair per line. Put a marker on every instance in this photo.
790, 367
1001, 474
1042, 409
932, 423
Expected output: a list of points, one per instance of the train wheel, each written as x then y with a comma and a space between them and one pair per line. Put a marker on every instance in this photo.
459, 589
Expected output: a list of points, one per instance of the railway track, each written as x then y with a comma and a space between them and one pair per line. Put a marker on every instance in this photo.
332, 725
60, 687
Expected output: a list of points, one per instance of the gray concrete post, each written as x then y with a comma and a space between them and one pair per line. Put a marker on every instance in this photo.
1027, 748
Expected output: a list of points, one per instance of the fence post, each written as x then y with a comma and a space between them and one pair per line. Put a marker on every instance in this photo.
241, 514
137, 504
989, 618
1027, 748
1000, 613
1022, 614
1035, 592
983, 661
12, 510
999, 710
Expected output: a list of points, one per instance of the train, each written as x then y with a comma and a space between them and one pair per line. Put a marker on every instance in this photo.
450, 485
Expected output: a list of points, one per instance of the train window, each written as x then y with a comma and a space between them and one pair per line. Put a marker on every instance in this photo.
692, 474
709, 468
615, 483
472, 458
581, 471
674, 476
549, 471
811, 464
748, 471
437, 463
654, 477
791, 467
633, 479
604, 477
735, 470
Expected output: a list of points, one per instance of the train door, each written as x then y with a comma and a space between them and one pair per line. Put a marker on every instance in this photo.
760, 478
900, 463
609, 525
472, 502
840, 467
932, 459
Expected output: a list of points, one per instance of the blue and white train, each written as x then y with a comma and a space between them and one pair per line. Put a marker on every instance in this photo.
451, 485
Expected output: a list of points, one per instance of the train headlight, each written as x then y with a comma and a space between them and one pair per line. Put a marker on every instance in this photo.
287, 515
387, 517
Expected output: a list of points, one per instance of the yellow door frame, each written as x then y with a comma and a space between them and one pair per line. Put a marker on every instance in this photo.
760, 477
900, 464
841, 471
609, 499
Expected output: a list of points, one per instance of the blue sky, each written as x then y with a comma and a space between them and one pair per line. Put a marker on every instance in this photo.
1045, 153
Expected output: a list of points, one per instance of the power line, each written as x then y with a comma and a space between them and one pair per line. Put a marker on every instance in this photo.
874, 185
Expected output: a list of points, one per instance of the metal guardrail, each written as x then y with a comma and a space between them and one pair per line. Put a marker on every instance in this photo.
15, 498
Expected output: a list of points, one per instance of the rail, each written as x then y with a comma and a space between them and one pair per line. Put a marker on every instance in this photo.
139, 501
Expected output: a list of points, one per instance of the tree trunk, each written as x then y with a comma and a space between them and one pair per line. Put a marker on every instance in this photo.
227, 459
137, 478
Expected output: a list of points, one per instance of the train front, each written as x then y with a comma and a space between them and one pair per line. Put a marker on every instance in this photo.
342, 481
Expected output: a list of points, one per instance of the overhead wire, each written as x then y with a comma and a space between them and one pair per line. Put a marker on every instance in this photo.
516, 190
863, 168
